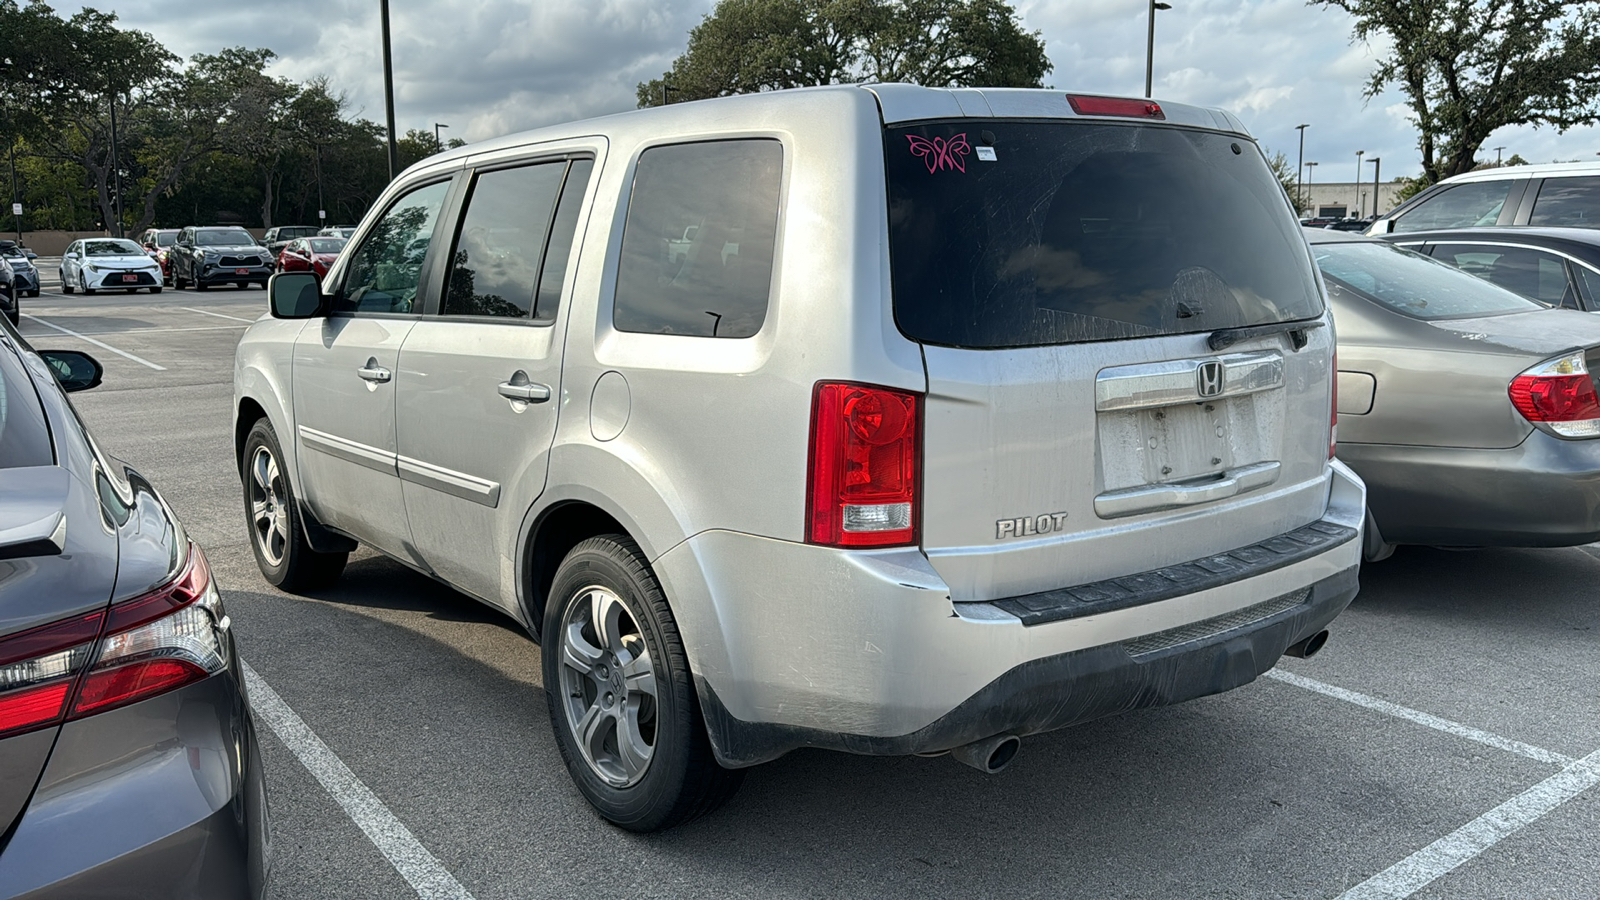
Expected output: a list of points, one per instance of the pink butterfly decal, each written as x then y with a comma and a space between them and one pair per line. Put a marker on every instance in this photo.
939, 153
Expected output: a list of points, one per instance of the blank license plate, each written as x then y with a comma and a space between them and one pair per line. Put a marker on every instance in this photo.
128, 279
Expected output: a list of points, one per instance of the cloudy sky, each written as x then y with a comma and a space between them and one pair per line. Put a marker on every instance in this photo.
489, 67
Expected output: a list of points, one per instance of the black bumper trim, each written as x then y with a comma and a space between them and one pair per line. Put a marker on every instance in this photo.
1177, 580
1057, 691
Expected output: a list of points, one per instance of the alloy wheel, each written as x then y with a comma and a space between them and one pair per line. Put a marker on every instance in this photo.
269, 515
608, 686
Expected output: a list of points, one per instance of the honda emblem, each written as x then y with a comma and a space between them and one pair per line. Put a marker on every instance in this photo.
1208, 378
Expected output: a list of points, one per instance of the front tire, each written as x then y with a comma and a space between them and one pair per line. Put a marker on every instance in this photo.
622, 701
83, 285
66, 286
277, 534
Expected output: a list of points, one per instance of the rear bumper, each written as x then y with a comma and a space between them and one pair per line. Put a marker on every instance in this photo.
1545, 492
799, 646
163, 798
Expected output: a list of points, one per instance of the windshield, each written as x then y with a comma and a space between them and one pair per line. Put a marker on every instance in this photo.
14, 253
166, 239
112, 247
327, 245
223, 238
1413, 284
1007, 233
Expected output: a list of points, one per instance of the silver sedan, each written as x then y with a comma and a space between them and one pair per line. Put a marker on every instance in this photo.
1470, 411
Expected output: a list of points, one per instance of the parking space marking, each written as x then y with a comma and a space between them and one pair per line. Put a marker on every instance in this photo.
83, 337
393, 839
1421, 718
1418, 870
218, 315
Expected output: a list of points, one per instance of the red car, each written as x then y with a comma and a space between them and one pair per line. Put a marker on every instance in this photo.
156, 242
312, 254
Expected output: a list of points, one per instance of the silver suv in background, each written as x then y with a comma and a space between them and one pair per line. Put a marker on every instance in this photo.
883, 419
1556, 194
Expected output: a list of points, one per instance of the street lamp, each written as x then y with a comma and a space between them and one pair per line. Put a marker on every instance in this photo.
1150, 46
1376, 168
1497, 155
1310, 181
388, 90
1299, 169
436, 142
1360, 206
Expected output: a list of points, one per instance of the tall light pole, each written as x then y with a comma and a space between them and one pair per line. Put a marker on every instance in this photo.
1150, 46
436, 141
1497, 155
1376, 160
1359, 205
1299, 169
388, 90
1310, 181
116, 169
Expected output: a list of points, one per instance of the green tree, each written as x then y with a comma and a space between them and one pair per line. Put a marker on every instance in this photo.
745, 46
1279, 164
1468, 67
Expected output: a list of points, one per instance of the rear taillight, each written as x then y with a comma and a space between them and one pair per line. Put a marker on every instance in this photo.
164, 639
866, 449
1085, 105
1559, 397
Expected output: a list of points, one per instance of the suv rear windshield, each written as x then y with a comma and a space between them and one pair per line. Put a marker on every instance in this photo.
1008, 233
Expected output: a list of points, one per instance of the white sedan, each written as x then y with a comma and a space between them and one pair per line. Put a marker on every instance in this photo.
107, 264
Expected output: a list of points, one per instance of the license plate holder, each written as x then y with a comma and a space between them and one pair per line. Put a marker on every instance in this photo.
130, 279
241, 271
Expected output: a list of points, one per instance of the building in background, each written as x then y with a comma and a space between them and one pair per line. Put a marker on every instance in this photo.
1347, 199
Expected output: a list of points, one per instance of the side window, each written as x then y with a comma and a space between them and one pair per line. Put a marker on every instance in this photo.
562, 231
1459, 207
1534, 274
699, 241
494, 267
1574, 202
386, 270
1590, 281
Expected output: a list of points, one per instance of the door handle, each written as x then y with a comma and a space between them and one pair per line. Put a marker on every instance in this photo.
525, 391
374, 372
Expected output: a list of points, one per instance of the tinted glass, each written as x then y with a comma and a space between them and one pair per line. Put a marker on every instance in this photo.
223, 238
1068, 232
1413, 284
1459, 207
386, 270
166, 240
1574, 202
1534, 274
24, 436
698, 245
323, 245
112, 247
559, 248
494, 270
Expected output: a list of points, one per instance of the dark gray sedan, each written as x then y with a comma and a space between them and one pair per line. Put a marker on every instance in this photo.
128, 757
1470, 411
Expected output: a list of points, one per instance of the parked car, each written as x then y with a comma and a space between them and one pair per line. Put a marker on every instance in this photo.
204, 256
25, 273
10, 303
279, 236
924, 480
158, 242
1470, 411
1559, 194
128, 757
313, 254
107, 264
1555, 266
1358, 225
342, 231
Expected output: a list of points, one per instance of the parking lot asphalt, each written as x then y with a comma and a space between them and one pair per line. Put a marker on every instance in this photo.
1446, 743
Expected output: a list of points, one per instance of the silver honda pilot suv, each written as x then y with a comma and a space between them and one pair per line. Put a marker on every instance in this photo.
884, 419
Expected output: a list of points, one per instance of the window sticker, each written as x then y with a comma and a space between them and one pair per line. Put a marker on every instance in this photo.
939, 153
986, 154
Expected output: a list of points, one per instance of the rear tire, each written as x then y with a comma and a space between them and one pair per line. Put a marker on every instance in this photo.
621, 696
277, 534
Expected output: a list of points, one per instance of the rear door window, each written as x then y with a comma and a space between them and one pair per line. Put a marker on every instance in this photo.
1461, 206
1007, 233
1571, 202
698, 246
1535, 274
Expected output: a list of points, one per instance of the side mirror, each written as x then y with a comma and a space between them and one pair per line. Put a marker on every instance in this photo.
32, 255
69, 255
294, 295
75, 370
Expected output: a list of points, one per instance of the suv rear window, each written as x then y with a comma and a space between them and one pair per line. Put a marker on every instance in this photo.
1569, 202
1005, 233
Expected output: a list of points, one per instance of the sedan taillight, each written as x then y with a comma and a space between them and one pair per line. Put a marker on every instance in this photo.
171, 636
1559, 397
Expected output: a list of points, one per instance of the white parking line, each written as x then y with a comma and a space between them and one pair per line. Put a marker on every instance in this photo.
83, 337
217, 314
1418, 870
393, 839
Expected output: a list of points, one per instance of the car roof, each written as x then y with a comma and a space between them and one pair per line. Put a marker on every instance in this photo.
1534, 234
1543, 170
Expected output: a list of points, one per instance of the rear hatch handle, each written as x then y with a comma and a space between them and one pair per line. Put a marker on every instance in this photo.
1153, 497
1223, 338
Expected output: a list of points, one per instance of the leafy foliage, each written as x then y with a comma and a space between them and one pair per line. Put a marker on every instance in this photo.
1468, 67
745, 46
